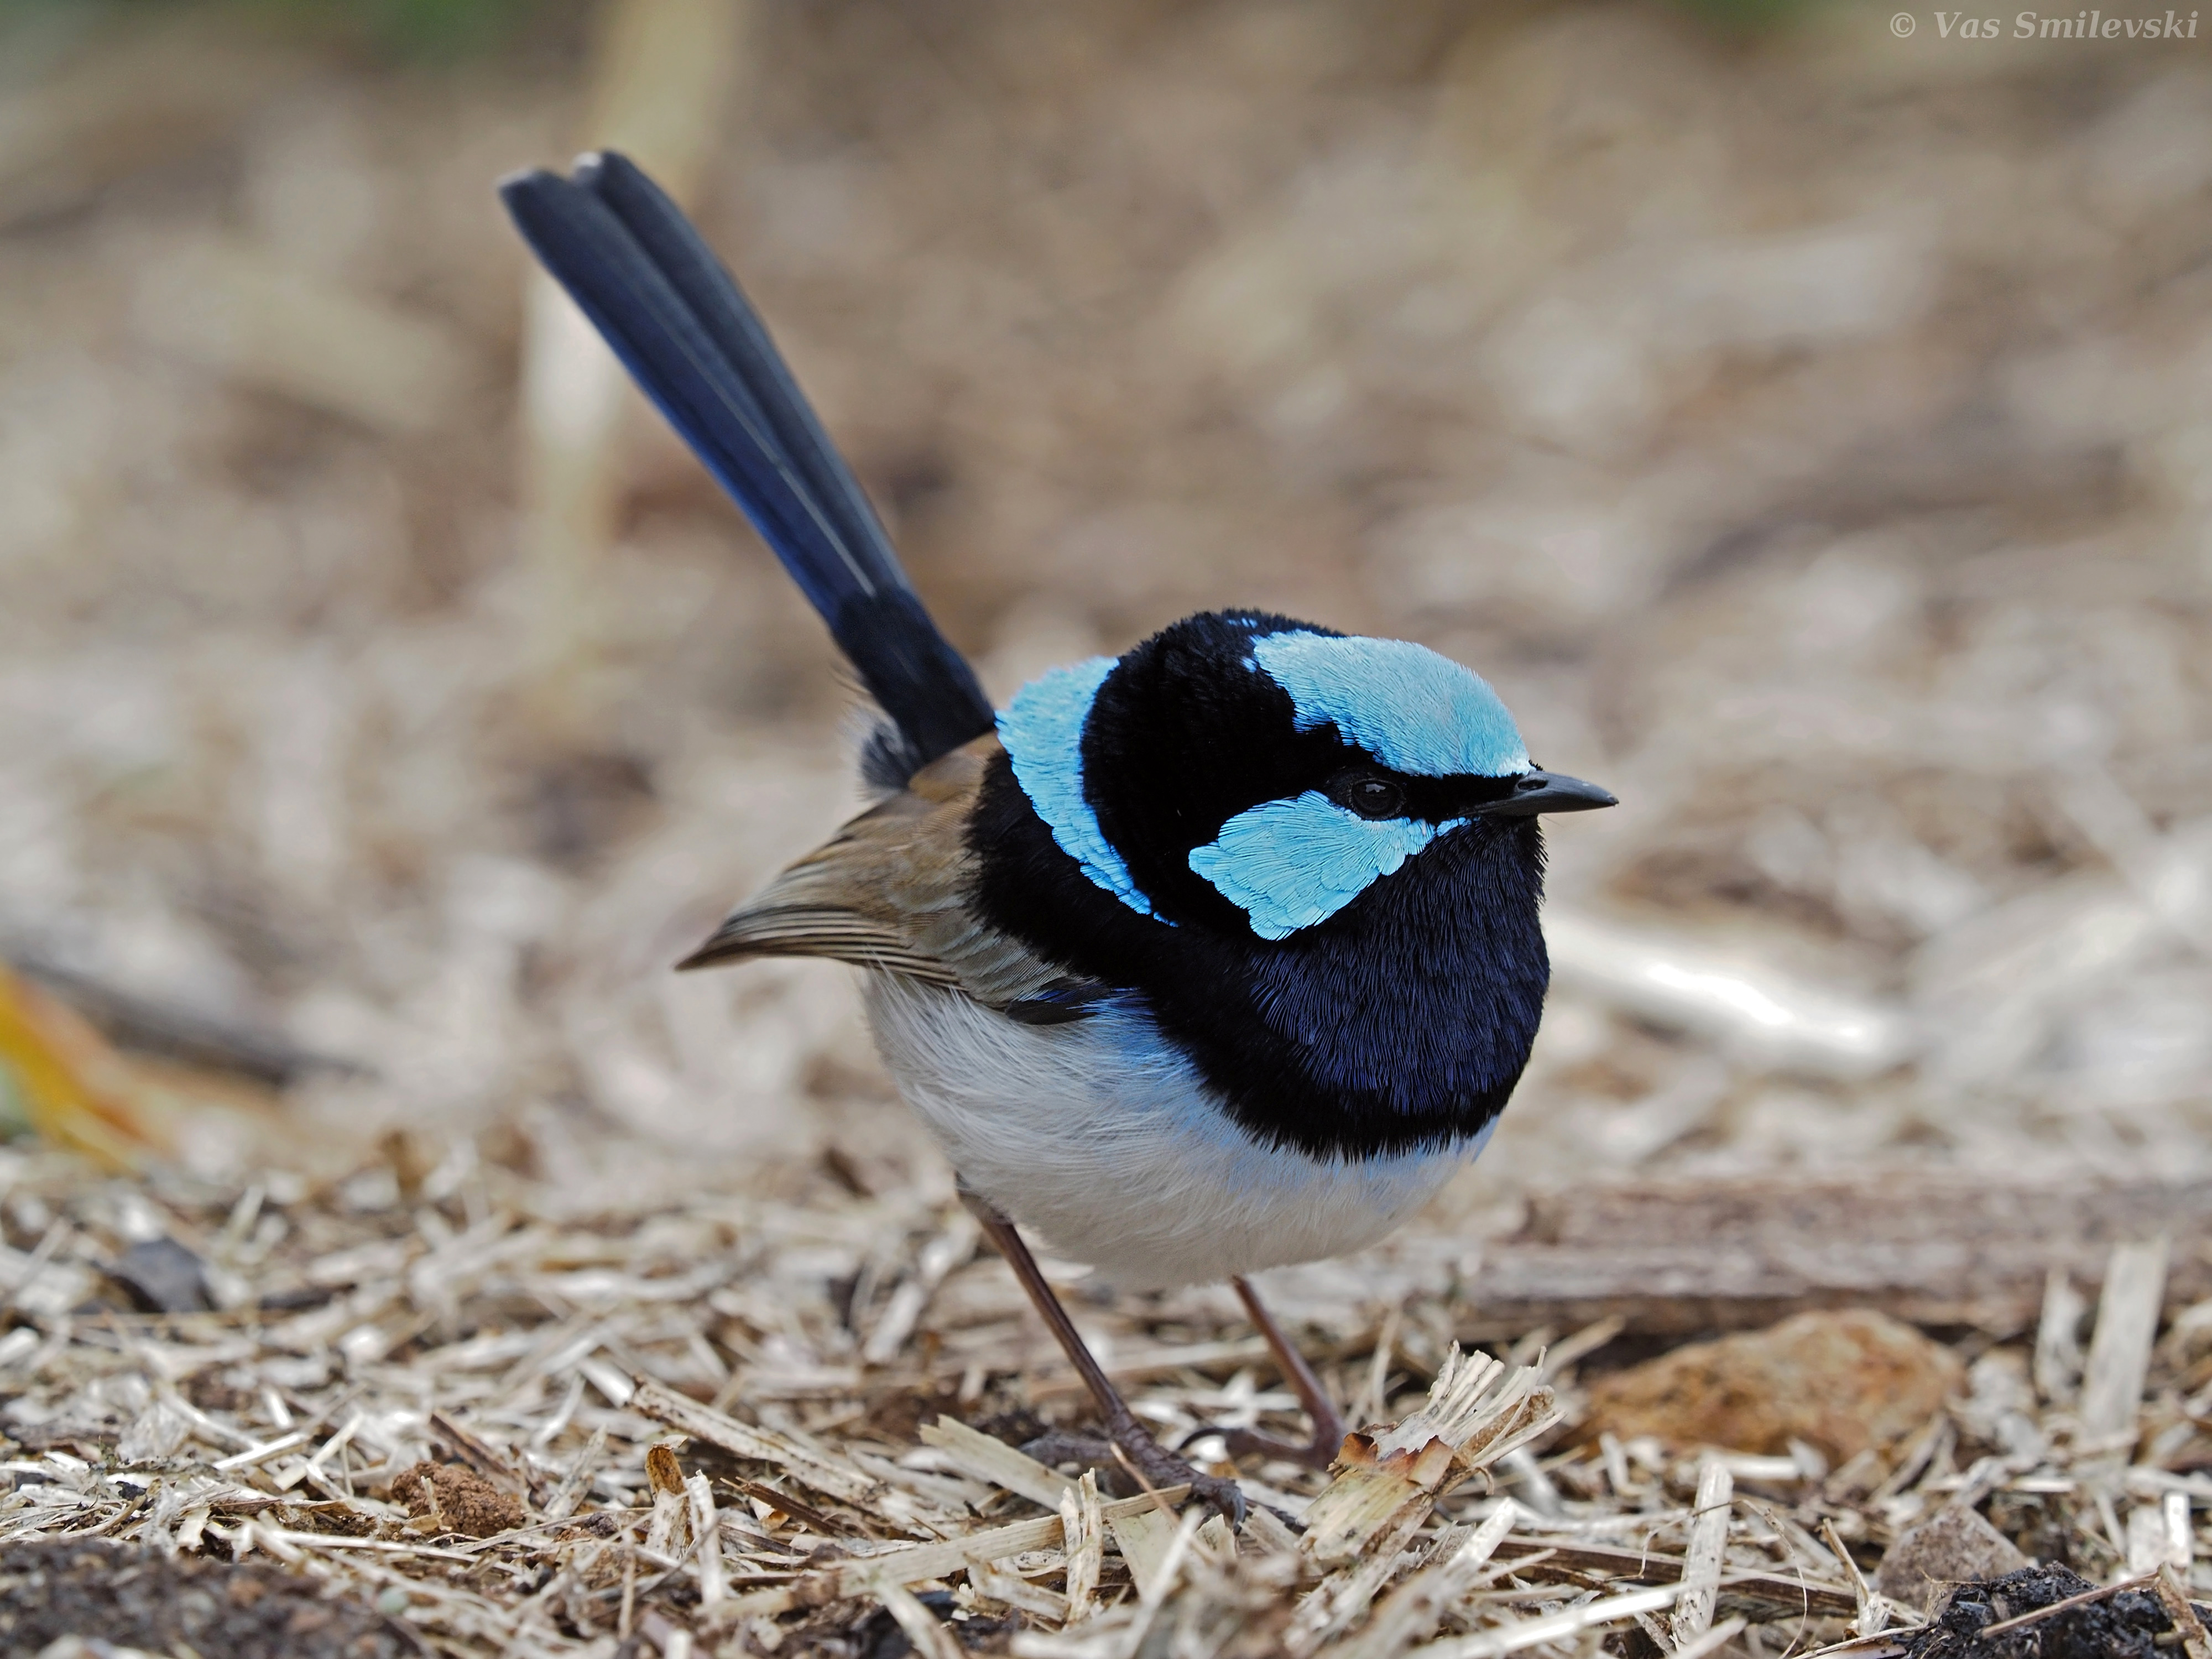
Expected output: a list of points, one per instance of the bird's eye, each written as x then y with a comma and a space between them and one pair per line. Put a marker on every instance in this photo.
1370, 797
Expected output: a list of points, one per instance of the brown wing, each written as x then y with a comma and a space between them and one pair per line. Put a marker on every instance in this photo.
889, 891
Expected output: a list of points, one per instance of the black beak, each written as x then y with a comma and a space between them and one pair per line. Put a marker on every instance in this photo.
1548, 792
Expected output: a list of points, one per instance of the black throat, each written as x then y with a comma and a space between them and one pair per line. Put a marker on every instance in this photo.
1402, 1022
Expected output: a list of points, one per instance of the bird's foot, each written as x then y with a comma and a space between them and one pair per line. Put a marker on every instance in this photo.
1130, 1449
1057, 1446
1154, 1465
1316, 1454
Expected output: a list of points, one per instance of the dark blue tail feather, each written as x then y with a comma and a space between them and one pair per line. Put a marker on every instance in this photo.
679, 322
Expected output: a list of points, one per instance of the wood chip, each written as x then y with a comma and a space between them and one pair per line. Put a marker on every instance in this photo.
1083, 1537
716, 1526
1701, 1563
1411, 1612
2175, 1596
1513, 1637
930, 1638
2119, 1350
996, 1463
701, 1422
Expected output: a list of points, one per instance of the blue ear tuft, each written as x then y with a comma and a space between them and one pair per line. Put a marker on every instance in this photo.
1289, 864
1042, 731
1414, 710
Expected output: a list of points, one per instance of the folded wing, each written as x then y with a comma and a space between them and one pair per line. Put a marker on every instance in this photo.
889, 891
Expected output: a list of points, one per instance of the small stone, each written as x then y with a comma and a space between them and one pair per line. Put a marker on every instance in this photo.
1839, 1381
162, 1276
1954, 1546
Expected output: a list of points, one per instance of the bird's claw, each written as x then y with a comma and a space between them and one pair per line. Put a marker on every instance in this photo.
1155, 1465
1225, 1495
1316, 1454
1057, 1446
1150, 1463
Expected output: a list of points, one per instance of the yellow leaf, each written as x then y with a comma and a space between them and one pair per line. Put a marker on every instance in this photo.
76, 1091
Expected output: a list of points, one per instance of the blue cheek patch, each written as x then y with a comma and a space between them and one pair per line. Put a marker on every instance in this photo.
1042, 731
1289, 864
1414, 711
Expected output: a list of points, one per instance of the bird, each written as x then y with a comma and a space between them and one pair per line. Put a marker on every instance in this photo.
1220, 955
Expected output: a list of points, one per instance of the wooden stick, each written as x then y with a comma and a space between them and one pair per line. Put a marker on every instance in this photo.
1674, 1258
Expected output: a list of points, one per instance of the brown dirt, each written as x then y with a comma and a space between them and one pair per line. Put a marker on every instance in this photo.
1840, 1381
2124, 1626
463, 1499
138, 1598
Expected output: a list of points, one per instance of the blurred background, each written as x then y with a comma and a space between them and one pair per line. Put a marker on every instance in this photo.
1807, 428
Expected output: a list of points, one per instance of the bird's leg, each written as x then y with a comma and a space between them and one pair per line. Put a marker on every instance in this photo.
1145, 1455
1328, 1422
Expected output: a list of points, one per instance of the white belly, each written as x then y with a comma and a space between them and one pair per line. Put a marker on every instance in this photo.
1102, 1140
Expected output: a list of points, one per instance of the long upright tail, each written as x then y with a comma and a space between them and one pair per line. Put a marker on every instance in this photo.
679, 322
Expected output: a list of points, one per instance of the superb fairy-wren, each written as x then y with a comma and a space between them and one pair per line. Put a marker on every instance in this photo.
1215, 957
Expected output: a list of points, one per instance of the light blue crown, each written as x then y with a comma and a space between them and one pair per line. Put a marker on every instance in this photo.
1414, 711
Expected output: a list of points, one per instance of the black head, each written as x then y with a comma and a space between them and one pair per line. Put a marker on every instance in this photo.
1314, 854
